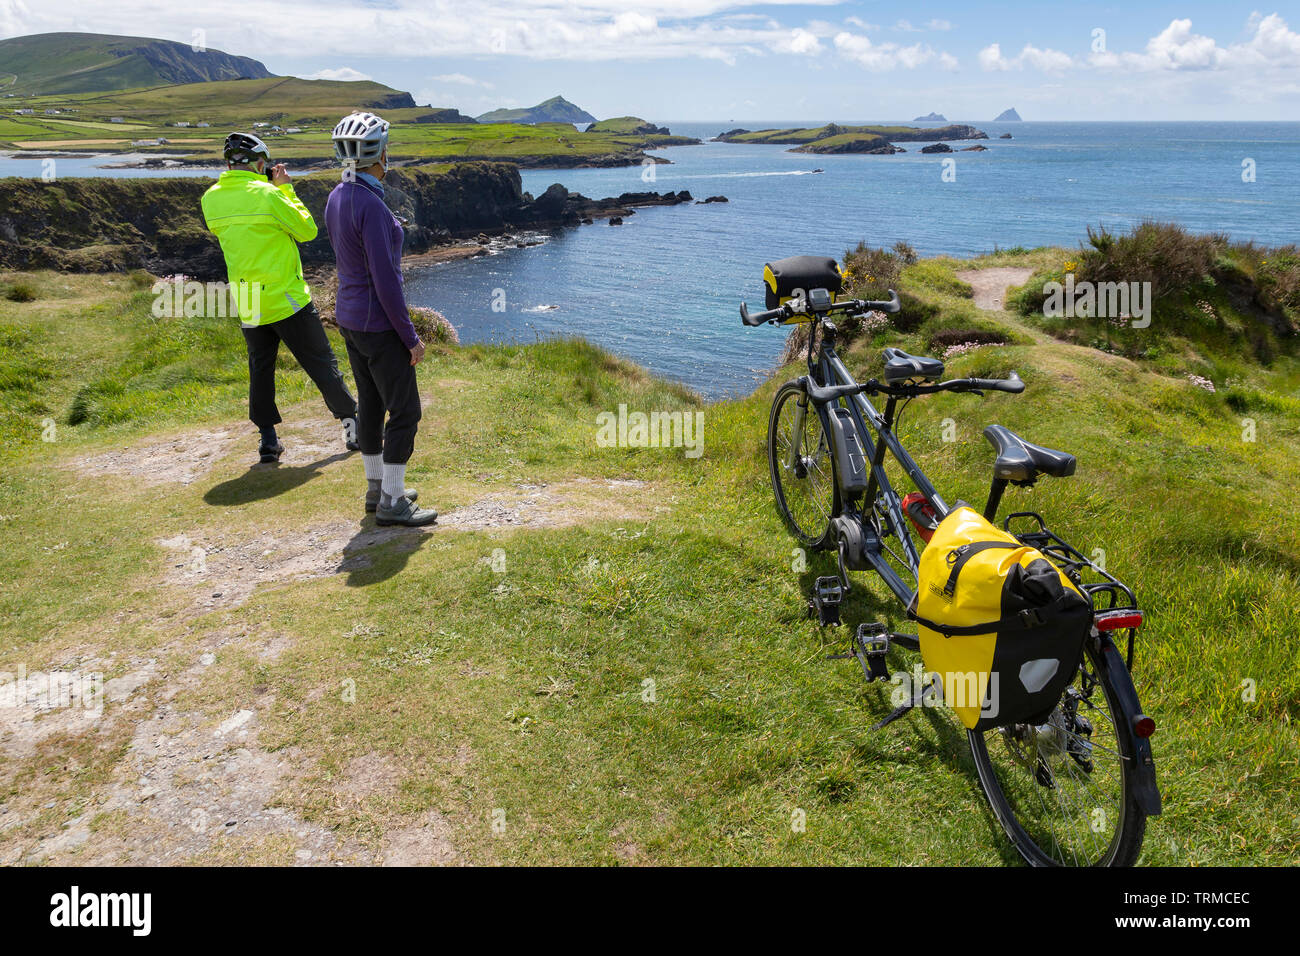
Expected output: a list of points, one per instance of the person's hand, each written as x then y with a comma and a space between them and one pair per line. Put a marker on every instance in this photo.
417, 353
279, 174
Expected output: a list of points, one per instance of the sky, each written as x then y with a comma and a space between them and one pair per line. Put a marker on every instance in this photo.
718, 60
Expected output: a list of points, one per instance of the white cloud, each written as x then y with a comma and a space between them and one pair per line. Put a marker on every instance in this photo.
1272, 45
342, 73
1047, 60
804, 43
460, 79
881, 57
582, 30
1178, 48
939, 25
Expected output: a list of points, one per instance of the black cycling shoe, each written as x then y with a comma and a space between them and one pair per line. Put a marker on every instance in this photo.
270, 454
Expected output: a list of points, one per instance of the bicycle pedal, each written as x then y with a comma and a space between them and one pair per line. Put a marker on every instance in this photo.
828, 593
871, 645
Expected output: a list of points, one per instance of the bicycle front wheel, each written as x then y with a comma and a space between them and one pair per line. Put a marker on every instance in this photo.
802, 467
1063, 791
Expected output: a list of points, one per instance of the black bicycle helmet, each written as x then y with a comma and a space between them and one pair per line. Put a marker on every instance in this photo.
244, 148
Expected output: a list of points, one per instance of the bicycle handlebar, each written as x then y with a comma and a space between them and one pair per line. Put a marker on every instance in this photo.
891, 305
833, 393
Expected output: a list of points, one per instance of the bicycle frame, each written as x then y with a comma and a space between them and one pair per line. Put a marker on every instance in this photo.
875, 431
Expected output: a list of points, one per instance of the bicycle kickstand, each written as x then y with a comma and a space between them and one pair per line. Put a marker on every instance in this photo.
918, 698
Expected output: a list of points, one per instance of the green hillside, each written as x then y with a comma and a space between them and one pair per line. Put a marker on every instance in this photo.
84, 62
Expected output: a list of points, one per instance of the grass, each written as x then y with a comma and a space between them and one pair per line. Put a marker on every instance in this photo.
625, 690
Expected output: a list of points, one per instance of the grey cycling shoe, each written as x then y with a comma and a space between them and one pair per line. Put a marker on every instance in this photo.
374, 491
405, 512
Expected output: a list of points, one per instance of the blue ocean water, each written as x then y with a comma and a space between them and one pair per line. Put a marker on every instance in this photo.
663, 289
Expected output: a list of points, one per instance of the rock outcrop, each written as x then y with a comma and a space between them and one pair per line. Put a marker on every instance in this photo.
105, 225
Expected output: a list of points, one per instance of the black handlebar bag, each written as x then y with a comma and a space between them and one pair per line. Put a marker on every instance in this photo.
792, 279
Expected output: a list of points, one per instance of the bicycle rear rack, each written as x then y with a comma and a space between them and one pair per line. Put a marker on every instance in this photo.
1116, 594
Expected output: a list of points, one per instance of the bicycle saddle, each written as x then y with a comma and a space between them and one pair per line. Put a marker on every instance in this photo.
899, 367
1018, 460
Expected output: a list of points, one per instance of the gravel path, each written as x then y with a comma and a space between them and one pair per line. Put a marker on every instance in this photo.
990, 285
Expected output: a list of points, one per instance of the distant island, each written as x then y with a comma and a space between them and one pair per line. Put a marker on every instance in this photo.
555, 110
1008, 116
931, 118
628, 126
833, 138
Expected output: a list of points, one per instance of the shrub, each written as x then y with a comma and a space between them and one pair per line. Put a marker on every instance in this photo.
870, 273
21, 292
1164, 254
433, 326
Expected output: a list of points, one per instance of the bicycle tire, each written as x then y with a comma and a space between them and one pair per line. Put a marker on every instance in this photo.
1126, 844
817, 535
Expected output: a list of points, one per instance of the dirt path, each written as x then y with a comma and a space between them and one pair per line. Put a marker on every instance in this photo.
990, 285
195, 783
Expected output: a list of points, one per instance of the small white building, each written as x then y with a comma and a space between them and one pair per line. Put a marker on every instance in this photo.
25, 112
202, 125
180, 124
293, 129
116, 119
51, 112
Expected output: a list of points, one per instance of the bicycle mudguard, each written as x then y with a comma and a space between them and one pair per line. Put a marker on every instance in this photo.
850, 460
1145, 790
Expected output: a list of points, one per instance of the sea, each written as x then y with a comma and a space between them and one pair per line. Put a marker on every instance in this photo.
664, 288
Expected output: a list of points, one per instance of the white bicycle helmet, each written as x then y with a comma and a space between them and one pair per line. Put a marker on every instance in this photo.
360, 139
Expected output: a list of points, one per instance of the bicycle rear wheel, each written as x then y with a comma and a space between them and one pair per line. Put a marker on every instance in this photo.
1063, 791
802, 468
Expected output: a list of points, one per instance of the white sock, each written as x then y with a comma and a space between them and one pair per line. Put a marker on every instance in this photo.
394, 480
374, 465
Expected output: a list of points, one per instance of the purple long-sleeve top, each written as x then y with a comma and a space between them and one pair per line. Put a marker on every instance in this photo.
367, 241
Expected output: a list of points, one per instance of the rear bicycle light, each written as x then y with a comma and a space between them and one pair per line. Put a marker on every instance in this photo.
1117, 620
1143, 726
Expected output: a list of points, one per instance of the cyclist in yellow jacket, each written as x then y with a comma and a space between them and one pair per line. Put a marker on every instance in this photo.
259, 221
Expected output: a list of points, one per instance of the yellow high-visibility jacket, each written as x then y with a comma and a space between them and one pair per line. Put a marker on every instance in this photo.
259, 226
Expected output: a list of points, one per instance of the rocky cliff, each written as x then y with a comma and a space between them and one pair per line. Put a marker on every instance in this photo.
104, 225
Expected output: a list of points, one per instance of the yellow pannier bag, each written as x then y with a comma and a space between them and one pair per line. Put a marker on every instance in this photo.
1000, 625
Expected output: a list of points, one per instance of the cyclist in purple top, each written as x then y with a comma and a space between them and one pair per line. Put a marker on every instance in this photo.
371, 311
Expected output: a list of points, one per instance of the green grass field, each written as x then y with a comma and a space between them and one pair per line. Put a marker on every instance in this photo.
624, 672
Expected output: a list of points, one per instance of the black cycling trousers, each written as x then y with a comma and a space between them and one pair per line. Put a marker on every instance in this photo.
305, 337
381, 364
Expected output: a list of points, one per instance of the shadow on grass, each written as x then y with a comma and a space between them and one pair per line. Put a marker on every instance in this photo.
266, 481
376, 554
949, 742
